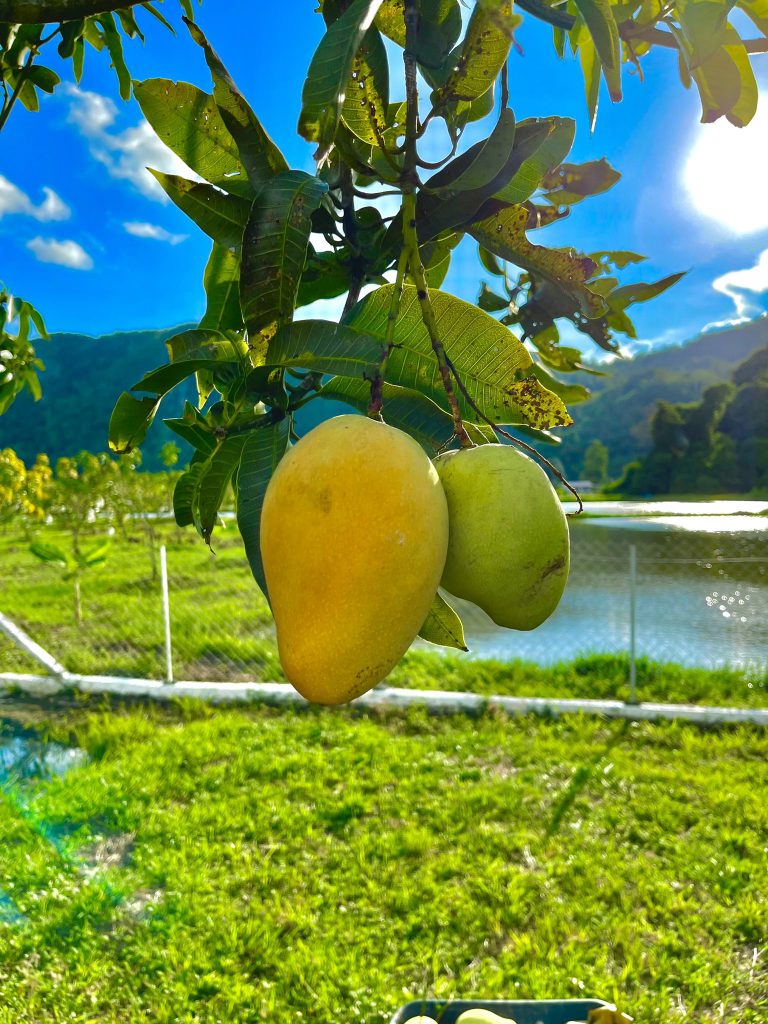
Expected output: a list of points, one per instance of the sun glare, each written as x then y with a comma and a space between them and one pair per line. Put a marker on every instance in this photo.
725, 172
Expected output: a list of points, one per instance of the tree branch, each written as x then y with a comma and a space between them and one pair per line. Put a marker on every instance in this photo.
38, 12
627, 30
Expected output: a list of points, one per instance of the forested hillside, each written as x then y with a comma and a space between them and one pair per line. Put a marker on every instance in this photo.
717, 445
84, 376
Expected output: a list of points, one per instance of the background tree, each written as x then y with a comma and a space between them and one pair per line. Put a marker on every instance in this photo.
595, 467
25, 492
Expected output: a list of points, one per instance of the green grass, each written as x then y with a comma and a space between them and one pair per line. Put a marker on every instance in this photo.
327, 867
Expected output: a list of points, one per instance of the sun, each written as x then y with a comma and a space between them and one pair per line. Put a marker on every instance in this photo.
725, 172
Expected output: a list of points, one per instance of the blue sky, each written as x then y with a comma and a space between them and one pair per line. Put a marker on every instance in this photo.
86, 235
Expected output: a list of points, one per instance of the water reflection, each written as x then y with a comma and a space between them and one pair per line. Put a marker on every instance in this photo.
702, 598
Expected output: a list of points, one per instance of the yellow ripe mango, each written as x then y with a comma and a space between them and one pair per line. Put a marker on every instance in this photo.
509, 548
354, 531
482, 1016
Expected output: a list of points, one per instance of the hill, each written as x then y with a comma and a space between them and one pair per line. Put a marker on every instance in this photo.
84, 376
623, 404
82, 379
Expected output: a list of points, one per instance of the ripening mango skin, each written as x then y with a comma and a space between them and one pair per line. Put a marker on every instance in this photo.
354, 532
482, 1016
509, 548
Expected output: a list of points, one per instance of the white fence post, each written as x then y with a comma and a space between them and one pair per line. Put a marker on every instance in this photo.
28, 645
166, 616
632, 623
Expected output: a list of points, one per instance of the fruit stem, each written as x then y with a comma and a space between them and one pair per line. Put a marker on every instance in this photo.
410, 235
377, 384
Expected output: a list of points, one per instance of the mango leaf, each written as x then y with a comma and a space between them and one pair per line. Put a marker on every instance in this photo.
570, 393
503, 232
184, 495
443, 626
115, 48
439, 27
628, 294
704, 24
403, 408
479, 58
490, 301
259, 155
49, 553
262, 451
212, 482
325, 276
550, 140
220, 215
490, 262
757, 10
190, 351
130, 420
486, 161
615, 258
725, 80
192, 428
488, 358
323, 94
188, 121
222, 289
326, 347
97, 556
367, 91
568, 184
599, 19
590, 69
274, 252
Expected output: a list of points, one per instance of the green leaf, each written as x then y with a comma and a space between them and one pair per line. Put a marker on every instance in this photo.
192, 429
704, 25
43, 78
757, 10
482, 53
504, 234
439, 27
115, 48
188, 121
222, 289
212, 482
590, 69
617, 258
131, 419
49, 553
325, 276
367, 91
323, 93
628, 294
599, 19
190, 351
443, 626
569, 183
96, 557
488, 159
184, 495
220, 215
490, 301
490, 262
570, 393
548, 148
262, 451
258, 153
274, 254
325, 347
489, 359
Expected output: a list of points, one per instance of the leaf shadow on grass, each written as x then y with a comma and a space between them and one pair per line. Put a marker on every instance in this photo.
581, 779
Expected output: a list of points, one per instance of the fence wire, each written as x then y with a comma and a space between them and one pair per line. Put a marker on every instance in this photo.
701, 600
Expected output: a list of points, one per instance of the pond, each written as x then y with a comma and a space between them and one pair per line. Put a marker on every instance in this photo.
702, 588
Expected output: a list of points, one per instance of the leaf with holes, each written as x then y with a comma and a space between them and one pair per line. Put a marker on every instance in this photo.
367, 91
438, 29
479, 58
323, 96
188, 121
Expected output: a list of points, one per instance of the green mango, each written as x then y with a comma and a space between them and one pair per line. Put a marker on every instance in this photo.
508, 542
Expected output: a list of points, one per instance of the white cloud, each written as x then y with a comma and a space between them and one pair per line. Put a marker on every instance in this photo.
13, 200
744, 288
141, 229
65, 254
126, 154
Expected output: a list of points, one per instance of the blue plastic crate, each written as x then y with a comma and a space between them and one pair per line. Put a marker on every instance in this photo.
522, 1011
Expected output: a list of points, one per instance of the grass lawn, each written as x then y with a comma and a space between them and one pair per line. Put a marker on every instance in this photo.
323, 866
